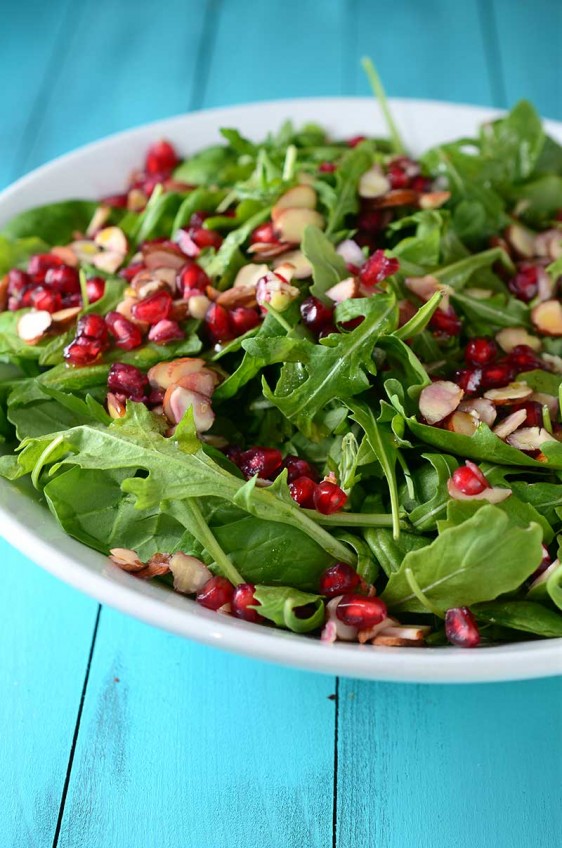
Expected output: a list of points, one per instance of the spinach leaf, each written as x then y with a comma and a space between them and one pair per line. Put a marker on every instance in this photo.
280, 605
515, 141
521, 615
53, 223
431, 486
390, 552
15, 251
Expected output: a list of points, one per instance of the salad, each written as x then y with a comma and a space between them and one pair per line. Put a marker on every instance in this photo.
314, 383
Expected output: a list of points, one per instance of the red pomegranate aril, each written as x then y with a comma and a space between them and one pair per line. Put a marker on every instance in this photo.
534, 413
243, 319
131, 271
469, 479
523, 358
72, 300
469, 380
161, 158
397, 177
297, 467
218, 324
127, 335
420, 184
63, 279
264, 234
92, 326
480, 351
302, 491
461, 628
261, 461
370, 219
496, 376
315, 314
338, 579
47, 299
243, 601
216, 592
117, 201
199, 217
39, 264
17, 282
377, 268
205, 238
524, 285
445, 323
327, 167
83, 351
329, 498
154, 308
360, 611
95, 288
355, 140
190, 277
165, 331
128, 381
26, 297
155, 397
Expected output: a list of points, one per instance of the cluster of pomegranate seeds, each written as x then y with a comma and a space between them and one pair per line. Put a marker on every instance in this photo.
360, 611
89, 343
128, 382
469, 479
403, 172
223, 325
338, 579
242, 602
377, 268
461, 628
486, 369
216, 592
126, 335
48, 284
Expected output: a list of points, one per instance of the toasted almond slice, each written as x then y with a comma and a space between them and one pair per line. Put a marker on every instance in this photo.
397, 197
268, 250
301, 265
547, 317
177, 401
350, 252
136, 200
190, 574
66, 316
512, 393
549, 244
529, 438
304, 178
510, 424
382, 641
203, 382
493, 494
291, 223
521, 239
198, 305
157, 565
298, 197
483, 409
373, 183
439, 399
112, 239
115, 407
370, 632
555, 362
126, 559
33, 325
164, 374
412, 632
84, 250
426, 287
433, 199
249, 275
344, 290
237, 296
156, 257
108, 261
511, 337
66, 254
463, 423
99, 218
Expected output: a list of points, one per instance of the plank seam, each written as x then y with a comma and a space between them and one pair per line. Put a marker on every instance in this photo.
336, 742
76, 729
205, 54
492, 52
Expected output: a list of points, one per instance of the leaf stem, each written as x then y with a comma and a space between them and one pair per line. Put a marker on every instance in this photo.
279, 318
380, 94
415, 587
38, 467
194, 521
289, 164
351, 519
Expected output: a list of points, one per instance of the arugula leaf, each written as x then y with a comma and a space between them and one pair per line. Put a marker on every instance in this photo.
431, 486
353, 165
515, 141
328, 267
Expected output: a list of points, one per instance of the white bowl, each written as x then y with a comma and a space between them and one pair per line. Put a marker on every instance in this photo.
101, 168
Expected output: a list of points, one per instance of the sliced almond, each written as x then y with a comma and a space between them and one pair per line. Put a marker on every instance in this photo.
178, 400
190, 574
268, 250
108, 261
298, 197
345, 290
529, 438
99, 218
547, 317
33, 325
388, 641
249, 275
126, 559
426, 287
549, 244
155, 256
493, 494
433, 199
203, 382
84, 250
112, 239
64, 317
397, 197
512, 393
463, 423
198, 306
412, 632
291, 223
483, 409
115, 407
136, 200
510, 424
369, 633
555, 362
66, 254
511, 337
521, 239
439, 399
237, 296
164, 374
373, 183
301, 265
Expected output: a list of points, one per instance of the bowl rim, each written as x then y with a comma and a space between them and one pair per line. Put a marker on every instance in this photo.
157, 605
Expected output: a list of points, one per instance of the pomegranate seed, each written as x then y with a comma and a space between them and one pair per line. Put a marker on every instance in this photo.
297, 467
155, 397
524, 285
63, 279
533, 410
480, 351
355, 140
149, 183
361, 612
397, 177
190, 277
216, 592
461, 628
165, 331
370, 219
95, 288
469, 380
118, 201
338, 579
205, 238
264, 234
261, 461
327, 167
17, 281
44, 298
469, 479
315, 314
218, 324
445, 323
83, 351
233, 453
243, 600
131, 271
154, 308
161, 157
39, 264
198, 218
496, 376
242, 319
128, 381
420, 184
127, 335
523, 358
329, 498
92, 327
377, 268
302, 491
26, 298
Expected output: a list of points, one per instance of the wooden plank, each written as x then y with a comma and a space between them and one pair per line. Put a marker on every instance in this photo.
460, 765
45, 633
181, 745
530, 44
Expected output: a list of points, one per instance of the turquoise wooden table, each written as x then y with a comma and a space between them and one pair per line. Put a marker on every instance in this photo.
115, 735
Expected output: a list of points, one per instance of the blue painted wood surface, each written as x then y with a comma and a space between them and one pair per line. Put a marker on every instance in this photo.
119, 735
